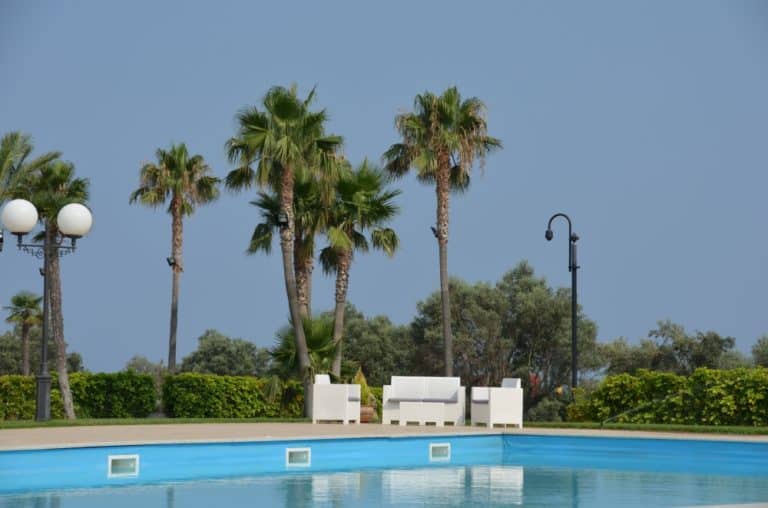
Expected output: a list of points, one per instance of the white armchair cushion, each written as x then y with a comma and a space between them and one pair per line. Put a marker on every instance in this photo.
511, 382
480, 394
353, 393
442, 389
322, 379
407, 389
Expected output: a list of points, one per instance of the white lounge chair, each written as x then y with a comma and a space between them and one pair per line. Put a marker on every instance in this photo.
334, 403
498, 405
423, 400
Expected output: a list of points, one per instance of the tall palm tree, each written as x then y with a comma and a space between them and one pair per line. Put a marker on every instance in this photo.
283, 139
15, 149
185, 182
50, 187
25, 312
441, 139
308, 210
362, 203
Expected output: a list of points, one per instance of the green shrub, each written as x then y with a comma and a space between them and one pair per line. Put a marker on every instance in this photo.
116, 395
547, 410
706, 397
113, 395
378, 393
192, 395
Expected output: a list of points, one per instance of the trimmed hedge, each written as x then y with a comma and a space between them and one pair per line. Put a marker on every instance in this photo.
706, 397
115, 395
192, 395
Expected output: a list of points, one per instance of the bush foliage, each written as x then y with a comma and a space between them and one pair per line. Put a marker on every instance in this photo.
191, 395
706, 397
115, 395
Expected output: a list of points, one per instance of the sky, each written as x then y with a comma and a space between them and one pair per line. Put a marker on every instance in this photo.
644, 121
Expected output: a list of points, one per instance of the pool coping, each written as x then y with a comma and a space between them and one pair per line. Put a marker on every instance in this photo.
127, 435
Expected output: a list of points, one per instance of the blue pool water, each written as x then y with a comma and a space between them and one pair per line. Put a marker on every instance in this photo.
495, 470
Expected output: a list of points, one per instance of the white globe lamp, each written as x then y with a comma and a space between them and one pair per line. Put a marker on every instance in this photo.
19, 216
74, 220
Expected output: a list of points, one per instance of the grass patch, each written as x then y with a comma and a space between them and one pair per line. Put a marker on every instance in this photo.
85, 422
653, 427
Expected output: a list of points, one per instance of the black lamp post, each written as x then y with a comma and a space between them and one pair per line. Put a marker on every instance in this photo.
573, 267
74, 221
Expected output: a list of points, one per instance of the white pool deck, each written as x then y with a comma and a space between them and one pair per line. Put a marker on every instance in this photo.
105, 435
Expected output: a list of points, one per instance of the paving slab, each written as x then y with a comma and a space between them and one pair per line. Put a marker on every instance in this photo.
107, 435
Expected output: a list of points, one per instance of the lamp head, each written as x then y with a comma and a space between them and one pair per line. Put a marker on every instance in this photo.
74, 220
549, 235
19, 216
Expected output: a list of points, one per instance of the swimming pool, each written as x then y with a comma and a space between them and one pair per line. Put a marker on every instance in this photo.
482, 470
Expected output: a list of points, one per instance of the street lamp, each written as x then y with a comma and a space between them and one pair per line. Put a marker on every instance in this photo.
74, 221
572, 267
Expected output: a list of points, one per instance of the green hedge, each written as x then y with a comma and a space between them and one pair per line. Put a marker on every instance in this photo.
113, 395
116, 395
193, 395
707, 397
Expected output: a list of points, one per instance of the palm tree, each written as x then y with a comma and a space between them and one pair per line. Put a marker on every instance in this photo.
15, 148
25, 312
50, 187
362, 203
319, 334
441, 140
186, 182
284, 139
309, 211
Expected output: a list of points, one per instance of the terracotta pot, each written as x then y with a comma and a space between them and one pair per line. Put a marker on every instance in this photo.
367, 414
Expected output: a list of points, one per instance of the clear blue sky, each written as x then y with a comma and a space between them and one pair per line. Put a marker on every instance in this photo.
645, 121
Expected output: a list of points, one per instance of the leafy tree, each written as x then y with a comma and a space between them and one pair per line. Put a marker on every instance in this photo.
75, 362
309, 210
623, 357
186, 183
669, 348
50, 187
283, 139
362, 204
10, 354
537, 318
218, 354
730, 360
760, 351
15, 149
25, 313
682, 353
143, 365
377, 346
441, 139
480, 349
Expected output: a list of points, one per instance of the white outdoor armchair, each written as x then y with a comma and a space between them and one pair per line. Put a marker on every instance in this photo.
334, 403
498, 405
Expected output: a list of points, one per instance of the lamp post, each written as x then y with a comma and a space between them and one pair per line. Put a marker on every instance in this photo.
73, 221
572, 267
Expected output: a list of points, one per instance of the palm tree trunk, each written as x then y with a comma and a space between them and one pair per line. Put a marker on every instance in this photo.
342, 285
57, 322
25, 350
302, 280
286, 246
177, 268
443, 189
